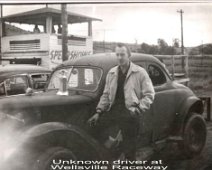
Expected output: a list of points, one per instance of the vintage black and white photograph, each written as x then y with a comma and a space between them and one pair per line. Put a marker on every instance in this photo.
99, 85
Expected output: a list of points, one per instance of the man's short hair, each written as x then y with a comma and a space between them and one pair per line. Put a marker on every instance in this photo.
124, 45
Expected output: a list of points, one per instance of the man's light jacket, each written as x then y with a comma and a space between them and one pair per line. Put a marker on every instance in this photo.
138, 89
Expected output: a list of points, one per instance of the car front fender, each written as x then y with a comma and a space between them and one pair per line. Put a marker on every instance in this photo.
51, 134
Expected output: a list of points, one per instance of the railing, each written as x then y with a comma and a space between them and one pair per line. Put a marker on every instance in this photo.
197, 68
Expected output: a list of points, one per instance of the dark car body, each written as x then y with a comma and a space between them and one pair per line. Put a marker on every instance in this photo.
55, 121
15, 79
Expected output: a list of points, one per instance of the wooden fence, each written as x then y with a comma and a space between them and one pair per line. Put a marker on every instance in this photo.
197, 68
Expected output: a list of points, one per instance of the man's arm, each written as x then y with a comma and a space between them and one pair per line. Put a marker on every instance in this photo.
147, 91
104, 100
102, 105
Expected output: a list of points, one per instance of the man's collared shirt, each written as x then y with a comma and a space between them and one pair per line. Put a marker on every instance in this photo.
119, 99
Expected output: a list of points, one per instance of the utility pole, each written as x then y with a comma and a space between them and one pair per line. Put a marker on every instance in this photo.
1, 31
181, 18
64, 18
202, 48
104, 41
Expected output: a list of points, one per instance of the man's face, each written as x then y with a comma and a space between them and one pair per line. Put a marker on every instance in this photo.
122, 56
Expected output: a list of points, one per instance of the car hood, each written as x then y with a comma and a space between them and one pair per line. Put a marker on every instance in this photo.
50, 98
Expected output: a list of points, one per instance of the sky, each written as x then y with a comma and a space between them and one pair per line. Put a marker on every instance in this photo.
141, 22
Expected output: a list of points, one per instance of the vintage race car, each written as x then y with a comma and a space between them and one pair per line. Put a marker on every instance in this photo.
53, 125
16, 78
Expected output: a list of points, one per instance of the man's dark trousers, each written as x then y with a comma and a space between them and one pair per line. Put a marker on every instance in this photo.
129, 126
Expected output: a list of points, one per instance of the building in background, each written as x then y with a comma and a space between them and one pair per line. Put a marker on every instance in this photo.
44, 47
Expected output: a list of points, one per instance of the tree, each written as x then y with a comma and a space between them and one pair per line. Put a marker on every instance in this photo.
176, 42
207, 49
162, 48
148, 49
162, 43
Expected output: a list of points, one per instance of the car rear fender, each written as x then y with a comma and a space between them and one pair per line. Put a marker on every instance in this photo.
190, 105
51, 134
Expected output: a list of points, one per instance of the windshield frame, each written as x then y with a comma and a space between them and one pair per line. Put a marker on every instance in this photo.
68, 77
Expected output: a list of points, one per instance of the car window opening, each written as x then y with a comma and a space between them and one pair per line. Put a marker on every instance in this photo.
156, 75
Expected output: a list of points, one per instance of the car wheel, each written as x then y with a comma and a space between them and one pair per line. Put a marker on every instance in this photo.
194, 135
53, 157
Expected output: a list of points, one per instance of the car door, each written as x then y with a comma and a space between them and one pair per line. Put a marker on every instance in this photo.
146, 119
78, 104
162, 110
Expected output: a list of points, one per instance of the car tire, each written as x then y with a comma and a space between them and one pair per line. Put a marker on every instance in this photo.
194, 136
45, 160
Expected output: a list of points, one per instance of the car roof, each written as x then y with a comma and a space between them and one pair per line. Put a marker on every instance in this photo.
107, 60
13, 69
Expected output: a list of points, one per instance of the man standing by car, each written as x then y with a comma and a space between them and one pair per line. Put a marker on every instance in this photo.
128, 92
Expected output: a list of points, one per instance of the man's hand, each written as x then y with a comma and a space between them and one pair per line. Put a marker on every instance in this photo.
134, 111
93, 120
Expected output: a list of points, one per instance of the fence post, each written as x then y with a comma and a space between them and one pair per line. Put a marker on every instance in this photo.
173, 67
186, 66
209, 109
